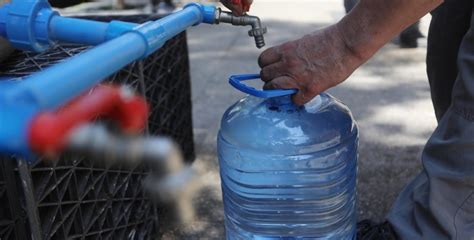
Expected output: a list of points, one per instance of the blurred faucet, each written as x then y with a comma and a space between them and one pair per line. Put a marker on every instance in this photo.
72, 129
169, 179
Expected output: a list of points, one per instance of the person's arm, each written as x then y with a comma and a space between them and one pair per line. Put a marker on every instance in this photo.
329, 56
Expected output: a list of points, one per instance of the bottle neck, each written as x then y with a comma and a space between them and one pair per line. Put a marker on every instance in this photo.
281, 101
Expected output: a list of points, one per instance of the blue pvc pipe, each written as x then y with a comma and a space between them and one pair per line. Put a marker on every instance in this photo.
34, 26
158, 32
59, 84
176, 23
88, 32
75, 30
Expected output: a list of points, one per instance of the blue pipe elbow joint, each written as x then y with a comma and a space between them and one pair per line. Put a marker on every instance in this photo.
208, 12
26, 24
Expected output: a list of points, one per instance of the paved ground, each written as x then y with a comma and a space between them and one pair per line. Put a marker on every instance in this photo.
389, 97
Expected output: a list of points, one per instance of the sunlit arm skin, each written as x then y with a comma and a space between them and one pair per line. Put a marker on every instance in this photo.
327, 57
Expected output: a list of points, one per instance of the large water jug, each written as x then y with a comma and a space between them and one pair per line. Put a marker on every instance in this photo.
287, 171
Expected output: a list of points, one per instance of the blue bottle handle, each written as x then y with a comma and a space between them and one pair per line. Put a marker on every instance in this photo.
236, 81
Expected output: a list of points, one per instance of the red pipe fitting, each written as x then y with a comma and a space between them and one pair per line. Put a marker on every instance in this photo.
49, 130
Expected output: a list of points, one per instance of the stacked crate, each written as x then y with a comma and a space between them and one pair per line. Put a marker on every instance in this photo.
75, 198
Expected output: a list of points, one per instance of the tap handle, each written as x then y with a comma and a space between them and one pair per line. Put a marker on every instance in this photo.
49, 130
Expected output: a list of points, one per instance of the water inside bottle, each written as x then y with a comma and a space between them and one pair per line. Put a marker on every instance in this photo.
288, 172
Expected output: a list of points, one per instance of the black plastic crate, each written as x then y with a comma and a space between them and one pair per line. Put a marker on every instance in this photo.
12, 216
75, 198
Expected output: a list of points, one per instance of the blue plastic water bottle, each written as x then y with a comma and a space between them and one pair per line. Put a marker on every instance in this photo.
287, 171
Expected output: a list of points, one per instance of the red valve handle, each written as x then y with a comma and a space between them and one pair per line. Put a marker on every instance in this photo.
49, 130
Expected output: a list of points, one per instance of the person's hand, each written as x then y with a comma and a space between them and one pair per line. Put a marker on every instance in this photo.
311, 64
238, 7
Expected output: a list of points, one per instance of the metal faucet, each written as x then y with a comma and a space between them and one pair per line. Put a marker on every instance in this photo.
257, 30
169, 180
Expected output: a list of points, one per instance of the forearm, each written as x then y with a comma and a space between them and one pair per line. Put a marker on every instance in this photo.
373, 23
328, 56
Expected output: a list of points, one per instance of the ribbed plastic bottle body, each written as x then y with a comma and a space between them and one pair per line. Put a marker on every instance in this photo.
288, 172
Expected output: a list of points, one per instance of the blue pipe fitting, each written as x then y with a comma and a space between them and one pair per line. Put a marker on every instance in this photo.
26, 23
208, 12
118, 28
34, 26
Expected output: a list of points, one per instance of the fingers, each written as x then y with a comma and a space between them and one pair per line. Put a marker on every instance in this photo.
246, 5
268, 57
235, 8
284, 82
273, 71
238, 9
301, 98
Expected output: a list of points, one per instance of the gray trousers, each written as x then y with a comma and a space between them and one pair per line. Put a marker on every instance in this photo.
439, 202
